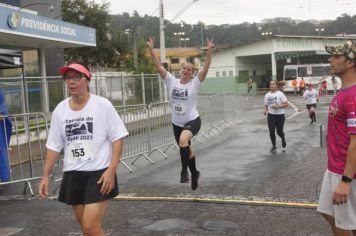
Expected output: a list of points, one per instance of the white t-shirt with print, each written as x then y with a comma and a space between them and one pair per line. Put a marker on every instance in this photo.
310, 96
183, 99
86, 135
275, 98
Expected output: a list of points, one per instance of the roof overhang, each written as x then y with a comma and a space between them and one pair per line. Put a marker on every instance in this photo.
25, 30
295, 54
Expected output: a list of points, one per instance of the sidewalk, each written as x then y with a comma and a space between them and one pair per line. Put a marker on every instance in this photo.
244, 189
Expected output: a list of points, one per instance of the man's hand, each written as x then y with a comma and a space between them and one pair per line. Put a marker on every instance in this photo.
341, 193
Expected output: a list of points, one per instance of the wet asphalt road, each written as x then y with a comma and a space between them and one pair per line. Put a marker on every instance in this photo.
235, 166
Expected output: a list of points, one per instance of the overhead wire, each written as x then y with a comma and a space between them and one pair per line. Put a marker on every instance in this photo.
238, 11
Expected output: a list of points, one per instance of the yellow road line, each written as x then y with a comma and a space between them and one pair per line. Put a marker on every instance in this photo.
217, 200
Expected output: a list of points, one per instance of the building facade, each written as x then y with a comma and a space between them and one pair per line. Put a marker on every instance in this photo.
175, 57
33, 28
264, 60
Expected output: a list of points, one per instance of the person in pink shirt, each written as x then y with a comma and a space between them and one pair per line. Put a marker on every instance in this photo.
337, 202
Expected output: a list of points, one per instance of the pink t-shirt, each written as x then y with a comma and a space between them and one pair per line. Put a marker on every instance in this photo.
341, 123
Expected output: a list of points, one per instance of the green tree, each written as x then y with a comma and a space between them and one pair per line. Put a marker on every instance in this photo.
90, 14
342, 24
144, 65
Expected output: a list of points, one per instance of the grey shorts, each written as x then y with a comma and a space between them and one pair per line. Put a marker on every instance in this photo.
344, 214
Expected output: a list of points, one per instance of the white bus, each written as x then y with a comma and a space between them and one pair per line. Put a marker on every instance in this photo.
311, 73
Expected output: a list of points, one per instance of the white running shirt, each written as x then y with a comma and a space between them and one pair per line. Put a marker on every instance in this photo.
275, 98
310, 96
183, 99
86, 135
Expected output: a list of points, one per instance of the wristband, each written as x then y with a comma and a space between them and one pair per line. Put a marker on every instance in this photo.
346, 179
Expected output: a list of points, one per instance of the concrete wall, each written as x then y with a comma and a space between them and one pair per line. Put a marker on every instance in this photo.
222, 61
212, 85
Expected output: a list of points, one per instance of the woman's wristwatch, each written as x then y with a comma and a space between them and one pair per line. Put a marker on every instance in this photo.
346, 179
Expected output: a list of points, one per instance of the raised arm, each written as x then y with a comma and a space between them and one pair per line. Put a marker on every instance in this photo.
210, 45
160, 69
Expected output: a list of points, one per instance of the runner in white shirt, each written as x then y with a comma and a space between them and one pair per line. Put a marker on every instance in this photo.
91, 133
183, 93
311, 97
275, 102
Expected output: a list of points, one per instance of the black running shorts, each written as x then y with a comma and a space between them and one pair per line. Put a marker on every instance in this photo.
80, 187
193, 126
311, 105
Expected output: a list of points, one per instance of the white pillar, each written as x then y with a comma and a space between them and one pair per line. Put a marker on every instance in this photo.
274, 67
45, 97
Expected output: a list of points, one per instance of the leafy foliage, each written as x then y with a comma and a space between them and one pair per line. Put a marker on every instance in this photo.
93, 15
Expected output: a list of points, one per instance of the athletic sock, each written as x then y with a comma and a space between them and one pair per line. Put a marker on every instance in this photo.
184, 157
192, 166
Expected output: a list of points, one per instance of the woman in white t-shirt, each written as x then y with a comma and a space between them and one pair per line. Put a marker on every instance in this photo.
275, 102
183, 93
311, 97
91, 133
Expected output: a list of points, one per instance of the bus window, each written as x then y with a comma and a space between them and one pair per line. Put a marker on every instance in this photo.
290, 74
317, 71
302, 71
311, 73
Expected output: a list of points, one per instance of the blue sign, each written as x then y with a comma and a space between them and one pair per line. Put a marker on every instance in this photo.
27, 24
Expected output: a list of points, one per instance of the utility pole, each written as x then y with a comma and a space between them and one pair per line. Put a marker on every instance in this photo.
162, 26
135, 48
201, 34
161, 33
134, 35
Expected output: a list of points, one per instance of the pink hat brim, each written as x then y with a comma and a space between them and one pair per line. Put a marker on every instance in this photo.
76, 67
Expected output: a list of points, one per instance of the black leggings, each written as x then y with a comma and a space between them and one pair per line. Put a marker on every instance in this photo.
275, 121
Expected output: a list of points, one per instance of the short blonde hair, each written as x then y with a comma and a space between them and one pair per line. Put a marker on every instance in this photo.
188, 63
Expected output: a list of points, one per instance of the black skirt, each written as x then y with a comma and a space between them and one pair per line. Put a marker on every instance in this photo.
80, 187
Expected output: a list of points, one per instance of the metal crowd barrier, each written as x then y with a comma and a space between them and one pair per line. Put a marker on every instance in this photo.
217, 113
150, 128
150, 131
25, 154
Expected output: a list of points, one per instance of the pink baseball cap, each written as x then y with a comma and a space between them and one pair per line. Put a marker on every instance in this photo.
74, 66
